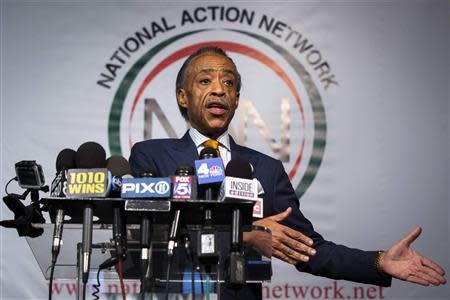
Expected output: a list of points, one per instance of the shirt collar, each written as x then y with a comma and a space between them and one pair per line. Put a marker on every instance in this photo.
199, 139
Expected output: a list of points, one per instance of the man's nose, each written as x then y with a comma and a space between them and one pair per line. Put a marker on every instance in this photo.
217, 88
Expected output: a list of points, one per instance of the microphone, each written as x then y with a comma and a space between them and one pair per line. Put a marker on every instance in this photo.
148, 186
89, 155
64, 161
119, 168
210, 173
184, 183
184, 187
237, 186
145, 236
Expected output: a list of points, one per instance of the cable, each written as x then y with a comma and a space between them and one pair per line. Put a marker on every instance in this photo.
142, 291
104, 265
96, 287
207, 287
84, 291
6, 186
52, 270
190, 254
193, 279
201, 280
169, 264
120, 272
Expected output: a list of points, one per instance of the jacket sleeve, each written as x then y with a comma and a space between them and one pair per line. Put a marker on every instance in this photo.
331, 260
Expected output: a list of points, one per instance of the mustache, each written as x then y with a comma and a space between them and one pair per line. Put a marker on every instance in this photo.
217, 102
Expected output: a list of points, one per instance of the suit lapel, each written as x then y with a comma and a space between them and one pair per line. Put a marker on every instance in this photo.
183, 150
238, 151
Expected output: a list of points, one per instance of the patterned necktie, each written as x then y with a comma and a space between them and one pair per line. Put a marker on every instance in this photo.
212, 144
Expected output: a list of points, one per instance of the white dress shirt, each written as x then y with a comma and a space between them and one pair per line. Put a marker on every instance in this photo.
224, 144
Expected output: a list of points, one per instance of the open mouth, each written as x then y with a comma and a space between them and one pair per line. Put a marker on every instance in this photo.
217, 108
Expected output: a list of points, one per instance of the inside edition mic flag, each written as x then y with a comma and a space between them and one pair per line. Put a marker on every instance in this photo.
238, 183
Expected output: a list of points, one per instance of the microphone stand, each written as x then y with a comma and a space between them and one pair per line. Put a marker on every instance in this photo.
86, 244
236, 272
145, 241
56, 245
119, 232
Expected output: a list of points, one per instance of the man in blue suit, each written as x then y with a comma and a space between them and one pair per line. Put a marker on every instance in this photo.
207, 91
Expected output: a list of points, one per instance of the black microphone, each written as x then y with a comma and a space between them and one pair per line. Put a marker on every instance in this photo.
119, 168
209, 170
89, 155
146, 239
238, 169
208, 153
64, 161
184, 187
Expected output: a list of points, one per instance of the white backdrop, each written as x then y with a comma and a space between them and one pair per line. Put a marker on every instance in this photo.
385, 166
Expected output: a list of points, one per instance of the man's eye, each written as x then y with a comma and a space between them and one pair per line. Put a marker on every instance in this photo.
229, 82
204, 81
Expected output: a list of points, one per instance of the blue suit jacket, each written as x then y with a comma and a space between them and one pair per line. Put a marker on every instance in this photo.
332, 260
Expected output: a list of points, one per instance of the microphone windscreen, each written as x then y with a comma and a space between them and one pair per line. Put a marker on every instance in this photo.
239, 168
185, 170
150, 172
118, 165
208, 152
66, 160
90, 155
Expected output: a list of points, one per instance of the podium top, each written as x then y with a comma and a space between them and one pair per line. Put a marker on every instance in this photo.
191, 210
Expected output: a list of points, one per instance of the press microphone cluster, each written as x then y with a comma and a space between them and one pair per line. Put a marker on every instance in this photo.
85, 174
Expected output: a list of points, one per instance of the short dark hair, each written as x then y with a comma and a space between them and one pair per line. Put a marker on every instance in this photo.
182, 73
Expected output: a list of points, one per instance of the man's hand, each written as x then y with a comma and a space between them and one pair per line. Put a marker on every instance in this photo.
287, 244
401, 262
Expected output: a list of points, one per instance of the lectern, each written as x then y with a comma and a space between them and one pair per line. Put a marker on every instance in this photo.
210, 276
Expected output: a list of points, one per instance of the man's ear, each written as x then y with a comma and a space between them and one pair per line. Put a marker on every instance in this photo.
182, 98
237, 99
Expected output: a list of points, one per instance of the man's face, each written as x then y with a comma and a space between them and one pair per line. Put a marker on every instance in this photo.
209, 94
